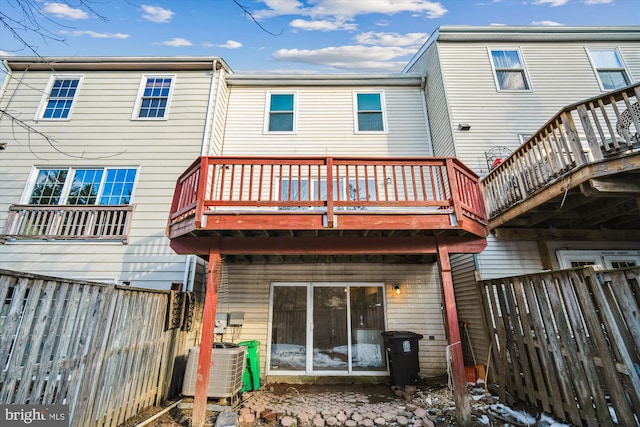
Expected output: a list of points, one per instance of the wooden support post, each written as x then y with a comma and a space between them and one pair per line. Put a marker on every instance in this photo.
206, 340
460, 394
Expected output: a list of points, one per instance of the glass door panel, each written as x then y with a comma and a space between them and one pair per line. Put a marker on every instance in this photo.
367, 325
330, 335
288, 332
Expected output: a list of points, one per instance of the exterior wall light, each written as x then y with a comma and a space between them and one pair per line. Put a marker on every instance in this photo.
396, 289
464, 126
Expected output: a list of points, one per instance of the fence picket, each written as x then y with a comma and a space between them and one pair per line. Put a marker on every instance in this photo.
584, 324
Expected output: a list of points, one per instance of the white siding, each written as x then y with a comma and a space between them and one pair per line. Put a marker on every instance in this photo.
221, 102
417, 308
100, 132
325, 124
504, 258
436, 98
560, 74
469, 308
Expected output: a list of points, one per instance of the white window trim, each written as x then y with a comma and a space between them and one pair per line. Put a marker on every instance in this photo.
143, 81
267, 113
604, 258
45, 97
35, 170
624, 68
383, 105
524, 69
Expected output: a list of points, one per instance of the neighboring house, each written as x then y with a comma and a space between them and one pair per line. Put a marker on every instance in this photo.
92, 148
490, 89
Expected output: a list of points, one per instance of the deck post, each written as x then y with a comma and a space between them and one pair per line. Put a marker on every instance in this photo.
460, 394
206, 340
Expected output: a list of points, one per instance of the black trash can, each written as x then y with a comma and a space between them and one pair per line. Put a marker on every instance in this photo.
402, 353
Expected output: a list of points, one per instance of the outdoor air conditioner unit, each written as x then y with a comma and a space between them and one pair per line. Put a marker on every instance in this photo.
225, 375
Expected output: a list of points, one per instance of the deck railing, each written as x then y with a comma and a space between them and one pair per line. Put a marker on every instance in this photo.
330, 185
583, 133
52, 222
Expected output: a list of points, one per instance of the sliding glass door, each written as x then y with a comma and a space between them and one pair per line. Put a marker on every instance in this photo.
327, 328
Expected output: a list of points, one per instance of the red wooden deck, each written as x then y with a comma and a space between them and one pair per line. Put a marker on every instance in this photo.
326, 205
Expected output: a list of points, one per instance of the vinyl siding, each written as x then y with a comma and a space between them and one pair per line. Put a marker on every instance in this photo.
503, 258
100, 133
436, 98
325, 124
560, 74
416, 309
221, 102
469, 309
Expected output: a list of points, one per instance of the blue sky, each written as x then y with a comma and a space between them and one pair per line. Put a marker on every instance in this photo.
320, 36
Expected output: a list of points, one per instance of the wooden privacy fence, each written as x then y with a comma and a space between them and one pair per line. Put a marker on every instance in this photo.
106, 351
568, 341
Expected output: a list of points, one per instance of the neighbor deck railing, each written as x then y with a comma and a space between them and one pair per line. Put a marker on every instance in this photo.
329, 185
53, 222
579, 134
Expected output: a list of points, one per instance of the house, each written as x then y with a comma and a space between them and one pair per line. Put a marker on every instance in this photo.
331, 208
495, 92
92, 147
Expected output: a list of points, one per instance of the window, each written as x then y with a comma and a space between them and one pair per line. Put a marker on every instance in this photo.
281, 112
60, 96
153, 97
369, 109
91, 186
509, 69
607, 259
609, 68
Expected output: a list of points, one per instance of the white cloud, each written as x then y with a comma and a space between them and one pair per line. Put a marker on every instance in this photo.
350, 8
62, 10
177, 42
229, 44
322, 25
5, 53
157, 14
598, 1
392, 39
546, 23
357, 57
552, 3
496, 24
96, 35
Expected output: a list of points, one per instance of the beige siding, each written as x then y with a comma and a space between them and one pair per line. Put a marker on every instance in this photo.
100, 132
325, 124
416, 309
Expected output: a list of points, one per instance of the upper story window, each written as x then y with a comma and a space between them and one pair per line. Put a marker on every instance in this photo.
60, 97
509, 70
91, 186
281, 112
153, 97
609, 68
370, 112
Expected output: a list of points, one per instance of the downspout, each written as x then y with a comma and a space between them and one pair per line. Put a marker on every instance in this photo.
423, 89
204, 150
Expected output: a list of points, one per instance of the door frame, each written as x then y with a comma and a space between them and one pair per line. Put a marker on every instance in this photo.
308, 371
